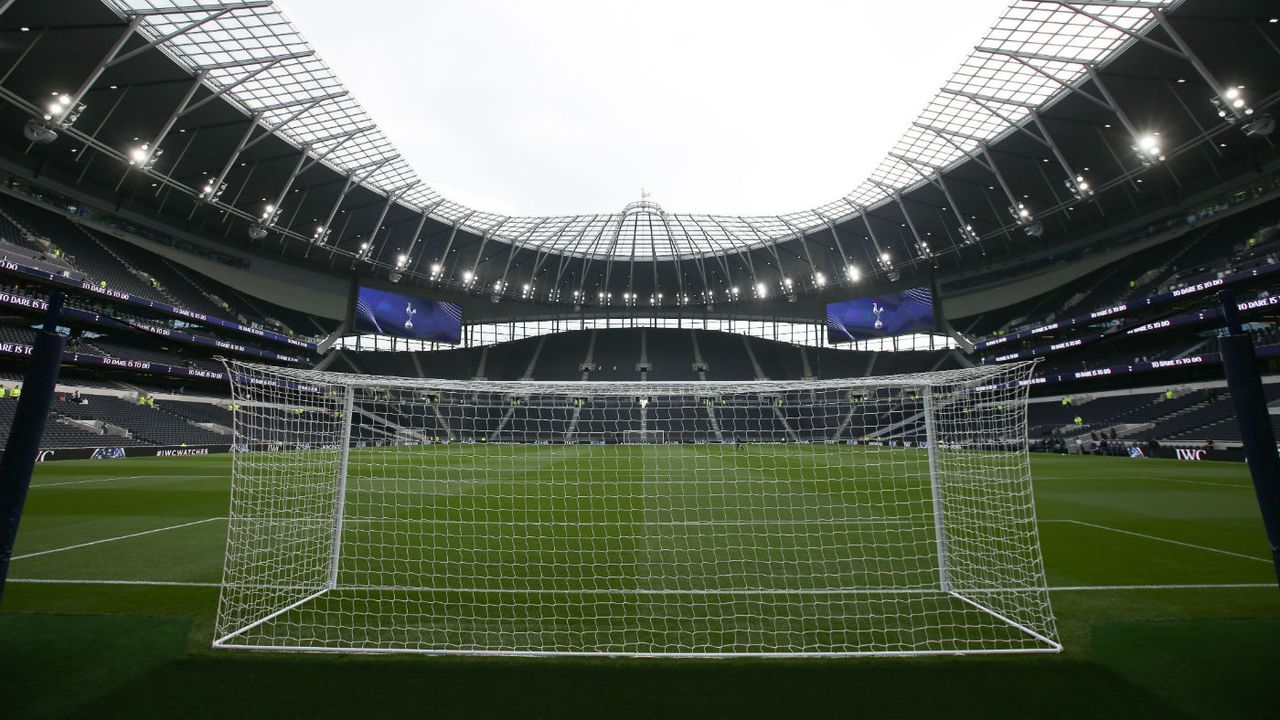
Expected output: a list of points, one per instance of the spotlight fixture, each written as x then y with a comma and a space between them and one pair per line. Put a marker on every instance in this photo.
1022, 215
853, 273
1234, 109
143, 156
1147, 148
1079, 187
259, 229
209, 193
762, 291
1231, 105
819, 279
969, 235
60, 114
321, 235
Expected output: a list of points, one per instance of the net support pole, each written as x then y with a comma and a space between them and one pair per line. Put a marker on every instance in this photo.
1245, 385
29, 417
935, 486
340, 501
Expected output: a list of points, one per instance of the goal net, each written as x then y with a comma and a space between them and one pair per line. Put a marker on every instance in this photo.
885, 515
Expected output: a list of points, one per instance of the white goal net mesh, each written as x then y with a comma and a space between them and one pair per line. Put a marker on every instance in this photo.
886, 515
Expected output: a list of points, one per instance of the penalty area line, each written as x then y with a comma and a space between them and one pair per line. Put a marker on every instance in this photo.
123, 477
118, 537
1157, 538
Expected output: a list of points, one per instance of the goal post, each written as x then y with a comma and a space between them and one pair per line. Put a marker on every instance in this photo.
887, 515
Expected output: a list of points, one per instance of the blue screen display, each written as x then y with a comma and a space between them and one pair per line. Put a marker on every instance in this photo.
387, 313
900, 313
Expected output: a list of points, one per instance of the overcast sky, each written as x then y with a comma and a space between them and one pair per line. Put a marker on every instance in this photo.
564, 107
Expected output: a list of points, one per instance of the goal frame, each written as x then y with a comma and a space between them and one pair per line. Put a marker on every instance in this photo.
1010, 376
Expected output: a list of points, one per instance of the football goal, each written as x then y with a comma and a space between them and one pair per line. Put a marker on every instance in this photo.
870, 516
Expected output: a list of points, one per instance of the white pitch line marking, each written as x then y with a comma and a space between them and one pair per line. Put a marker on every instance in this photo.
1157, 538
119, 537
62, 581
1237, 486
1172, 586
123, 477
1060, 588
92, 480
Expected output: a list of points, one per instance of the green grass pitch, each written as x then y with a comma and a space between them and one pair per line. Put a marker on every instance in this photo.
1165, 599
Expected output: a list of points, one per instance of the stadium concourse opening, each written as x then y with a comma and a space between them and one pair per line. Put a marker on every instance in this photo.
987, 401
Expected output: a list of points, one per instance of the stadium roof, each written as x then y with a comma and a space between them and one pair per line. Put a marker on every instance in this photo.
252, 53
1069, 121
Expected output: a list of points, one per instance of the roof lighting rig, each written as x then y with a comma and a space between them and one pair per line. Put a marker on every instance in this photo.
1148, 150
143, 156
1234, 109
209, 193
1023, 217
60, 114
265, 222
1079, 187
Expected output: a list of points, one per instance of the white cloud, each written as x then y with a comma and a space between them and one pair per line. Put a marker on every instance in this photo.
564, 107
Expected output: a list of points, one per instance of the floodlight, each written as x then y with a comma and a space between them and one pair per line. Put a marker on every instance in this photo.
1147, 148
853, 273
1233, 108
762, 291
1079, 187
210, 193
61, 113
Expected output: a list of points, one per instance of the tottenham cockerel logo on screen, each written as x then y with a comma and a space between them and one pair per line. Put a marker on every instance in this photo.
381, 312
909, 311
